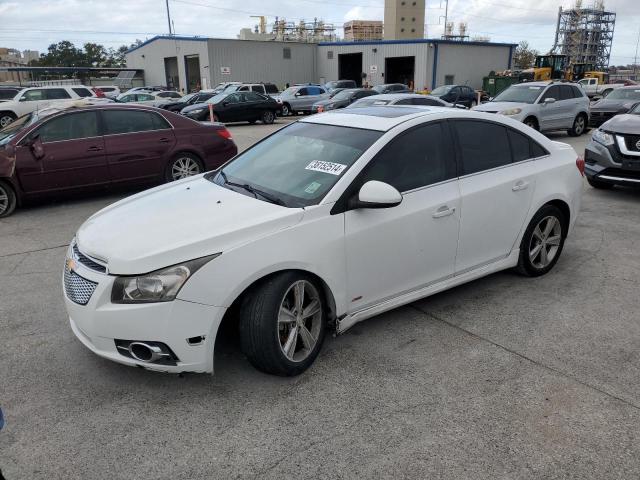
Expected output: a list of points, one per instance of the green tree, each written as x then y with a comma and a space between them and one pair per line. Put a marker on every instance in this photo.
95, 55
524, 56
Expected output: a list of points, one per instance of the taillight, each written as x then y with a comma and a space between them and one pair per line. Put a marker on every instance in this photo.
224, 133
99, 93
580, 164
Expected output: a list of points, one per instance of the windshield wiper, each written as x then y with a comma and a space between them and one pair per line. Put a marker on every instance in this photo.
253, 190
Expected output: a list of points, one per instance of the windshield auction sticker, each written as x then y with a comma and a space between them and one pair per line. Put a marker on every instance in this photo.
326, 167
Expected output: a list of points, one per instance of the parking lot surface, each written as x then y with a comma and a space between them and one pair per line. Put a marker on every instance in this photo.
503, 378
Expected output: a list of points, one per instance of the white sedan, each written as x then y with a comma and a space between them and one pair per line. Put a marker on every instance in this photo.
329, 221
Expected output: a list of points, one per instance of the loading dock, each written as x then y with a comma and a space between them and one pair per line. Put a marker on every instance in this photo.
350, 67
400, 70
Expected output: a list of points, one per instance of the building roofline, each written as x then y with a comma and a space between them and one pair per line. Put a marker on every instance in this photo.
418, 40
206, 39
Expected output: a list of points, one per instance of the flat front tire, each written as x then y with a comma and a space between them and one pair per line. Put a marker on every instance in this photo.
8, 199
542, 242
283, 323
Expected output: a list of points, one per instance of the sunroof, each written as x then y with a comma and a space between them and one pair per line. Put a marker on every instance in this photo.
386, 112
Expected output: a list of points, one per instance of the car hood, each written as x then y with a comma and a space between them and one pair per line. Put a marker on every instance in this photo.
498, 106
628, 124
195, 106
180, 221
613, 105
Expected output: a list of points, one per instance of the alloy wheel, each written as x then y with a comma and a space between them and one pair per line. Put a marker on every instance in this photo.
267, 117
4, 200
285, 111
545, 242
5, 120
184, 167
299, 320
579, 125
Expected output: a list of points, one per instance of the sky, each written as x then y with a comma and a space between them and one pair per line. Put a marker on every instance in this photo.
35, 24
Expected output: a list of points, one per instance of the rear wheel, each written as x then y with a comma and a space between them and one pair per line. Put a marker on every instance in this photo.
542, 242
7, 199
6, 118
579, 126
532, 122
268, 117
600, 185
282, 324
183, 165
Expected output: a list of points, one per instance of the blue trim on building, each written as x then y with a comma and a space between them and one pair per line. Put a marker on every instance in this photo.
434, 70
168, 37
418, 40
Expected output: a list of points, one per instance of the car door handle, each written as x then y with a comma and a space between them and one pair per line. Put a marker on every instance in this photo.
443, 211
520, 185
94, 148
164, 140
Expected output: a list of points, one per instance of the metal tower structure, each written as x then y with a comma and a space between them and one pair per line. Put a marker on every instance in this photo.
586, 34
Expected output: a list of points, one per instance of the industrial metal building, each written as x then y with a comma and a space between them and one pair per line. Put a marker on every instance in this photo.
189, 63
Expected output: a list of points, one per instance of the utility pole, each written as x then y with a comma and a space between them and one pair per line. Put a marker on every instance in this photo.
635, 58
168, 17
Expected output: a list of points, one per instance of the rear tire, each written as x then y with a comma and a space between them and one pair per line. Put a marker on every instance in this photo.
600, 185
183, 165
6, 118
579, 126
542, 242
268, 117
275, 334
8, 199
532, 122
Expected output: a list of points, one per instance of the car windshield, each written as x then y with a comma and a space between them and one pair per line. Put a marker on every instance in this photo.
371, 101
218, 98
335, 91
299, 164
624, 94
519, 94
188, 97
441, 91
11, 130
379, 88
329, 85
343, 95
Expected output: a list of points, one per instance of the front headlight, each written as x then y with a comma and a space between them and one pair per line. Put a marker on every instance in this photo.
160, 286
602, 137
194, 112
329, 106
511, 111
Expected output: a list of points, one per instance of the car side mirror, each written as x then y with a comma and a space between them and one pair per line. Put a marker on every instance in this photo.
23, 99
549, 100
298, 94
375, 194
37, 148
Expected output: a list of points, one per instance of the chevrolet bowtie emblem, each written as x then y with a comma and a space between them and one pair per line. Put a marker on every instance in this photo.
71, 264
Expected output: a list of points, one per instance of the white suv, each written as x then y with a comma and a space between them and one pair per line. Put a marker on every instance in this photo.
543, 106
37, 98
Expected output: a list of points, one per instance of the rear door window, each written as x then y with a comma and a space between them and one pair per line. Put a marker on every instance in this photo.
69, 127
128, 121
254, 97
565, 92
82, 92
577, 92
425, 101
56, 94
483, 145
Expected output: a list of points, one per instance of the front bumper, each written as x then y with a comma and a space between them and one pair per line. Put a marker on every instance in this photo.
606, 165
99, 323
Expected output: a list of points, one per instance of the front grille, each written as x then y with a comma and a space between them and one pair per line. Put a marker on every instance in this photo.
631, 141
77, 288
87, 262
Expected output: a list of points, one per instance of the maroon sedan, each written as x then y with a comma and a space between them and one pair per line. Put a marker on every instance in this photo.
96, 146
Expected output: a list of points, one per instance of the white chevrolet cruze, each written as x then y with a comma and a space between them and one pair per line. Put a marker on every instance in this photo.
329, 221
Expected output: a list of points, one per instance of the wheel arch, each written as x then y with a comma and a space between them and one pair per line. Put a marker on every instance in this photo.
231, 313
564, 208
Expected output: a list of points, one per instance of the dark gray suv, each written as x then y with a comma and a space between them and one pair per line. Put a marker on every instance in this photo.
612, 157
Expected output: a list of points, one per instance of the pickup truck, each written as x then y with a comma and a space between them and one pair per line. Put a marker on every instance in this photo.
593, 87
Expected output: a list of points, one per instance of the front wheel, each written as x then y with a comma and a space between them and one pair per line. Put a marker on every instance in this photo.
7, 199
532, 123
282, 324
268, 117
579, 126
183, 165
286, 110
6, 118
542, 242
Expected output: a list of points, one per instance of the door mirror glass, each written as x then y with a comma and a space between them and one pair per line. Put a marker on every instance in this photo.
37, 148
375, 194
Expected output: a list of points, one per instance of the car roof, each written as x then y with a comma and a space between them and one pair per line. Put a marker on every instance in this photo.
381, 118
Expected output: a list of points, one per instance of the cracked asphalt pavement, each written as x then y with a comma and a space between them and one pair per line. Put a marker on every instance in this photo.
502, 378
